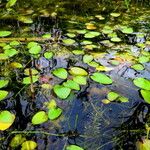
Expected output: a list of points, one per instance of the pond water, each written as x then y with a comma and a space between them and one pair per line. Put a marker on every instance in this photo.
74, 75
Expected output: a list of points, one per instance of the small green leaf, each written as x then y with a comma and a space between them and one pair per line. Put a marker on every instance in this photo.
48, 55
39, 118
86, 42
73, 147
127, 30
142, 83
16, 65
30, 71
71, 35
78, 52
3, 83
3, 94
144, 59
112, 96
35, 49
31, 44
29, 145
123, 99
4, 33
11, 3
47, 36
68, 41
3, 56
78, 71
60, 73
14, 43
138, 67
25, 19
115, 14
146, 95
101, 78
143, 145
61, 91
87, 58
92, 34
54, 113
27, 80
80, 80
72, 85
10, 52
115, 39
93, 64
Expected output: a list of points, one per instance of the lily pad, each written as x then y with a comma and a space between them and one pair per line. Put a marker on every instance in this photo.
115, 14
16, 65
72, 85
32, 44
68, 41
6, 119
61, 91
4, 33
27, 80
78, 71
115, 39
142, 83
92, 34
123, 99
3, 56
78, 52
39, 118
80, 80
10, 52
3, 94
73, 147
35, 49
144, 59
46, 36
61, 73
127, 30
146, 95
11, 3
87, 58
48, 55
54, 113
101, 78
112, 96
29, 145
3, 83
137, 67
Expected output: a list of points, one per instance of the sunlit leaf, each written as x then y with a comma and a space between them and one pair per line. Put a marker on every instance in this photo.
115, 39
14, 43
4, 33
78, 71
3, 83
115, 14
31, 44
39, 118
3, 56
48, 55
61, 73
25, 19
16, 65
142, 83
146, 95
144, 59
123, 99
93, 64
87, 58
54, 113
127, 30
29, 145
78, 52
112, 96
137, 67
29, 80
30, 71
73, 147
35, 49
11, 3
69, 41
3, 94
10, 52
72, 85
143, 145
92, 34
46, 36
80, 80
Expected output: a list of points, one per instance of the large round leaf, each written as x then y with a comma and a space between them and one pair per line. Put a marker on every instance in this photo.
3, 94
6, 119
80, 80
3, 83
3, 56
72, 85
69, 41
27, 80
142, 83
78, 71
39, 118
54, 113
35, 49
61, 91
29, 145
73, 147
61, 73
101, 78
146, 95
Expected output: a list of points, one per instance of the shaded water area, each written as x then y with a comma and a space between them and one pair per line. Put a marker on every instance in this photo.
82, 38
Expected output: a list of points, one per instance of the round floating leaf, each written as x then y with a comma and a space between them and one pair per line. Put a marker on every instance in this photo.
68, 41
54, 113
138, 67
71, 35
35, 49
100, 17
32, 44
6, 120
87, 58
11, 3
115, 14
114, 62
86, 42
27, 80
30, 71
47, 36
16, 65
143, 145
73, 147
144, 59
81, 31
10, 52
142, 83
112, 96
72, 85
115, 39
3, 94
17, 140
3, 83
106, 101
93, 64
4, 33
60, 73
3, 56
29, 145
61, 91
146, 95
78, 71
91, 34
14, 43
78, 52
127, 30
123, 99
39, 118
101, 78
25, 19
80, 80
48, 55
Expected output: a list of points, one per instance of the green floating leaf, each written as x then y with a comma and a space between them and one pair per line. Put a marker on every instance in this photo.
27, 80
48, 55
92, 34
39, 118
3, 94
86, 42
114, 62
6, 119
81, 31
101, 78
3, 56
112, 96
11, 3
68, 41
17, 140
142, 83
78, 52
71, 35
4, 33
7, 47
35, 49
78, 71
144, 59
31, 44
143, 145
16, 65
30, 71
29, 145
47, 36
61, 91
54, 113
138, 67
115, 14
60, 73
146, 95
93, 64
127, 30
123, 99
10, 52
25, 19
73, 147
72, 85
80, 80
115, 39
14, 43
87, 58
3, 83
